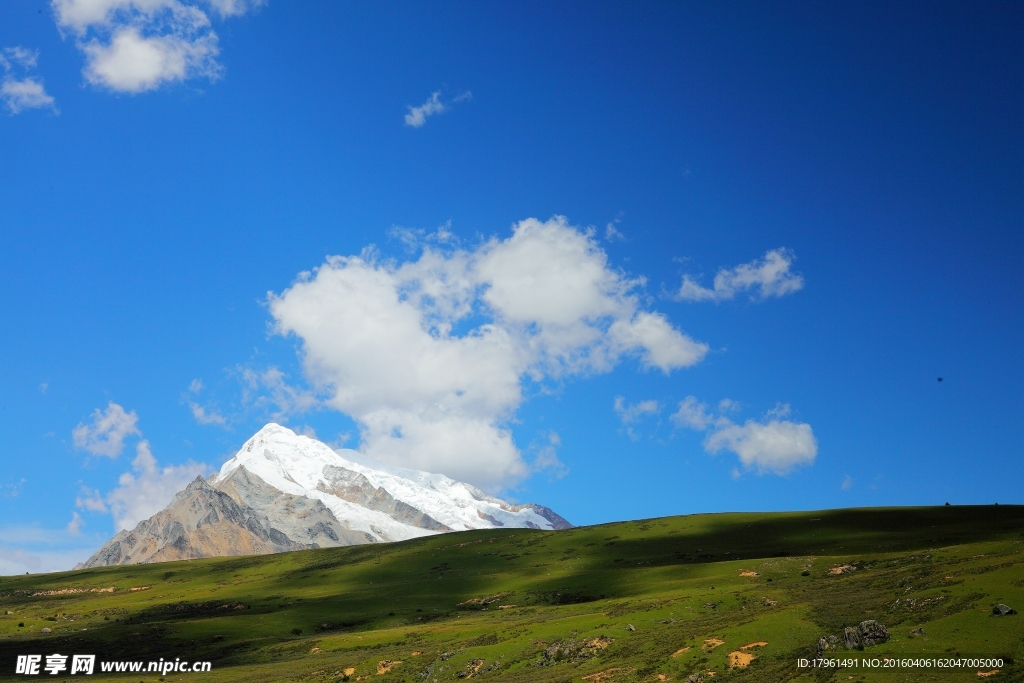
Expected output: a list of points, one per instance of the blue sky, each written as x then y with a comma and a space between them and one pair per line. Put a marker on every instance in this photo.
547, 194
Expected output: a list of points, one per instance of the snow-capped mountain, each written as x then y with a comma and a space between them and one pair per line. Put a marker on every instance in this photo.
283, 491
390, 503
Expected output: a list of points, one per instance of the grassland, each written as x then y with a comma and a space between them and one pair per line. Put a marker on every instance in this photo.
618, 603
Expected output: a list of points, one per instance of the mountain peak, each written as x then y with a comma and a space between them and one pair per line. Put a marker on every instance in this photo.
284, 491
390, 503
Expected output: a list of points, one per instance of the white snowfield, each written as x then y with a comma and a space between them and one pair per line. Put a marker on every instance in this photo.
306, 467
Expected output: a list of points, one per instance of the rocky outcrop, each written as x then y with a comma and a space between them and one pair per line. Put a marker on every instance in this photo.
865, 634
356, 488
1002, 610
556, 520
303, 520
200, 522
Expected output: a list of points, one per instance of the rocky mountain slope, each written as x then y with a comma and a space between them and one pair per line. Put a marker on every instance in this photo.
283, 491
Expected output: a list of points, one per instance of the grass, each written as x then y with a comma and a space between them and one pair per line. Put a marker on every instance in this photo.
630, 601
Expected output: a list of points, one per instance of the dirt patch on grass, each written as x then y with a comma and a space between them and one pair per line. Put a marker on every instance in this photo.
740, 660
749, 573
482, 601
841, 569
70, 591
608, 675
681, 651
711, 643
986, 674
385, 665
315, 651
749, 646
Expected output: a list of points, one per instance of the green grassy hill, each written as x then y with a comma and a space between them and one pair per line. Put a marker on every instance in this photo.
651, 600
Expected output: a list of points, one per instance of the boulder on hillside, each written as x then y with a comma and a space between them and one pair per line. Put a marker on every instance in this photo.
872, 633
1002, 610
865, 634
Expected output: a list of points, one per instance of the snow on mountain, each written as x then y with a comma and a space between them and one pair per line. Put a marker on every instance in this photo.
389, 503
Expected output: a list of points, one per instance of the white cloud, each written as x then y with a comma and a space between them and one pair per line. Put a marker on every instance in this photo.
692, 414
133, 63
773, 446
90, 499
306, 430
631, 413
417, 116
378, 341
139, 45
74, 527
12, 490
207, 417
28, 93
19, 94
847, 483
268, 390
546, 459
20, 56
611, 232
764, 278
148, 488
195, 386
107, 432
770, 445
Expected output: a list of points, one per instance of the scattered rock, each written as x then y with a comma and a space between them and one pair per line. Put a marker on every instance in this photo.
472, 668
700, 677
46, 630
851, 639
1002, 610
749, 573
986, 674
607, 675
315, 651
917, 632
841, 569
822, 646
768, 602
630, 627
574, 650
